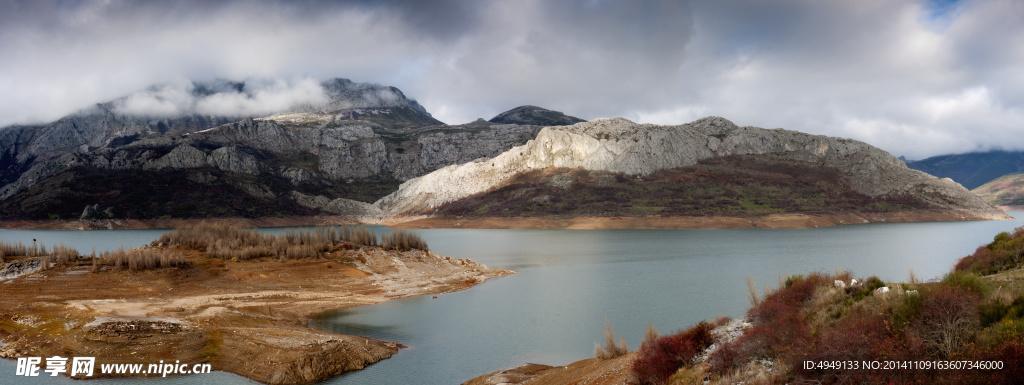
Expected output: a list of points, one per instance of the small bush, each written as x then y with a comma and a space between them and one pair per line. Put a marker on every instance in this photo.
658, 360
995, 312
969, 281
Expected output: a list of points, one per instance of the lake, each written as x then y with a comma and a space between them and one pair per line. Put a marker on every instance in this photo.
569, 281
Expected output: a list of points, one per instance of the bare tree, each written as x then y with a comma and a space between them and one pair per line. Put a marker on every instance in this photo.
948, 320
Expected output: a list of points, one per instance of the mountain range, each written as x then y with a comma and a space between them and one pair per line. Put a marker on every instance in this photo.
359, 143
370, 153
972, 169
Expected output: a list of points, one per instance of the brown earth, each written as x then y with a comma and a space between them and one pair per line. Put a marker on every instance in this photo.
772, 221
248, 318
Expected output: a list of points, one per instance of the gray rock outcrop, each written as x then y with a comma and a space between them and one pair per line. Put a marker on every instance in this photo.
15, 269
621, 146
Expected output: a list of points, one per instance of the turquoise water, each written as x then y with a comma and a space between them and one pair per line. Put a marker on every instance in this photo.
568, 281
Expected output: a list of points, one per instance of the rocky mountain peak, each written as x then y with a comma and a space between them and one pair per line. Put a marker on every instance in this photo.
713, 125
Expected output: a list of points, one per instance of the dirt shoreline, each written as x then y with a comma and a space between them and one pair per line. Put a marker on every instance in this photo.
774, 221
248, 318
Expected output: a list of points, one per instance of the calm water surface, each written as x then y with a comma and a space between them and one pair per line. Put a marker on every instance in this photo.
568, 281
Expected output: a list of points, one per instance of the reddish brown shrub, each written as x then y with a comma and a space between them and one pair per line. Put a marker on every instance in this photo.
657, 361
727, 357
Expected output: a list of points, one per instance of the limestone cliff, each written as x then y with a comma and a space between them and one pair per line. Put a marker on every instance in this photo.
624, 147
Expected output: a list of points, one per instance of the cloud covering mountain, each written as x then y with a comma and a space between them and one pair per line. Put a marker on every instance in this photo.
914, 77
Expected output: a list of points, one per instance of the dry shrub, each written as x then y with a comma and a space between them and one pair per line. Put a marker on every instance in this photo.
63, 255
403, 240
689, 375
853, 339
358, 235
947, 320
721, 320
650, 334
752, 373
611, 348
11, 249
143, 259
659, 360
752, 292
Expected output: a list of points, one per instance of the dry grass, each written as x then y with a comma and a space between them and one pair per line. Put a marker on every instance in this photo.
18, 249
358, 235
60, 254
232, 243
650, 334
752, 292
403, 240
141, 259
754, 373
63, 255
611, 348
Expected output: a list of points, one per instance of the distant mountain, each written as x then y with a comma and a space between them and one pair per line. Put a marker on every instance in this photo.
535, 116
972, 169
1007, 191
160, 153
614, 167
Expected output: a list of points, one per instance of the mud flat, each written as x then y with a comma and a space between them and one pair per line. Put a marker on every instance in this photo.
247, 318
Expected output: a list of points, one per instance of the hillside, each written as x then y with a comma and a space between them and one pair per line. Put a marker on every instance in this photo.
1006, 191
972, 169
534, 116
614, 167
354, 145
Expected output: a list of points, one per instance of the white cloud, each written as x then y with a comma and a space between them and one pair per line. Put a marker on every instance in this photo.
258, 97
899, 74
262, 98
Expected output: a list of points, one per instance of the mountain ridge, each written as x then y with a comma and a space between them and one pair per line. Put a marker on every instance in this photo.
620, 146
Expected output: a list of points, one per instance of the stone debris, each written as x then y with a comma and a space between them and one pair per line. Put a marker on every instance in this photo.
17, 268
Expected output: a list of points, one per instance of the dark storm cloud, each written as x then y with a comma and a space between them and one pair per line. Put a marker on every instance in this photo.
914, 77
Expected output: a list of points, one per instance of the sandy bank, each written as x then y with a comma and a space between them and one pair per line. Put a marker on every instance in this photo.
247, 318
774, 221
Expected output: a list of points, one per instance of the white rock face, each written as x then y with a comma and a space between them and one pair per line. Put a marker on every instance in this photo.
621, 146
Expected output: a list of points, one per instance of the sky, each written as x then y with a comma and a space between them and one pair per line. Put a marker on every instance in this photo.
917, 78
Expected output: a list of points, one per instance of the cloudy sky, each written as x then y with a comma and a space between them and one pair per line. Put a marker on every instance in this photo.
914, 77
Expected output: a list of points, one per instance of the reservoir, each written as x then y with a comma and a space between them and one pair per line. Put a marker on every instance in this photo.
569, 281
